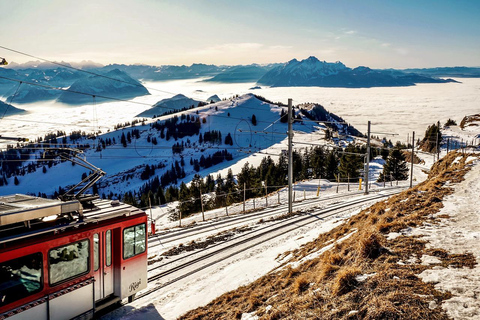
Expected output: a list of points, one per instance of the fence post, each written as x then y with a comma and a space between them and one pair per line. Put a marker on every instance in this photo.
244, 185
318, 188
266, 195
201, 202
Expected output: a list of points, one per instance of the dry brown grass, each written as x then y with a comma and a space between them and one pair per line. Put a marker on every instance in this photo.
345, 281
326, 287
300, 284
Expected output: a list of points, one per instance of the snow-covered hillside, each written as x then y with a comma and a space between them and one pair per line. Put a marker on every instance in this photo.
177, 102
216, 132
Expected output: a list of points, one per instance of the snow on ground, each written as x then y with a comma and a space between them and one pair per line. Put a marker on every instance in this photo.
242, 269
460, 233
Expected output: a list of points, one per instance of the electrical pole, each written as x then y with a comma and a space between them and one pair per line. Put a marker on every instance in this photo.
411, 164
290, 157
367, 161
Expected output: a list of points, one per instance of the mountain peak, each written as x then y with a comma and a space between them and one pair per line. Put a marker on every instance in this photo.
312, 59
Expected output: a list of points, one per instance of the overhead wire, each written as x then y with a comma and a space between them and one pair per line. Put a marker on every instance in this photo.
11, 99
81, 70
124, 100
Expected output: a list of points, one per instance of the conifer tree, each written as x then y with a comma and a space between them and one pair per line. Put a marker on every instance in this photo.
395, 167
351, 163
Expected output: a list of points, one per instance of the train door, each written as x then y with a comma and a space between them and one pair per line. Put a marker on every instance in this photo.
103, 264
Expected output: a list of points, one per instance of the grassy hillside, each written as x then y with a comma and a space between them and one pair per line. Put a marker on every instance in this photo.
359, 270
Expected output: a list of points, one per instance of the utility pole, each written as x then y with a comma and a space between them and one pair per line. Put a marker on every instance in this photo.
290, 157
411, 160
367, 161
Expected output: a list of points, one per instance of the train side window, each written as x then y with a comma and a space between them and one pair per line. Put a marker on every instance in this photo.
68, 261
96, 252
108, 249
134, 241
20, 278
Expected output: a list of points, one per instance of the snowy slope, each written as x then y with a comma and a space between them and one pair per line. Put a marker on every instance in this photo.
170, 104
214, 98
124, 165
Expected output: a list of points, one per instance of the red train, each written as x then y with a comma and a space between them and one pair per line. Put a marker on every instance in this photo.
66, 259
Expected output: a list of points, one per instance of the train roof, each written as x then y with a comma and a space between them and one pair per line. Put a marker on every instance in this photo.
24, 216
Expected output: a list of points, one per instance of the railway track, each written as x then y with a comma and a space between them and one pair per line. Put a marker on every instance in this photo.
163, 239
219, 252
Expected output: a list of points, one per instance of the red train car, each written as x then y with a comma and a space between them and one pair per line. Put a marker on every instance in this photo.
66, 259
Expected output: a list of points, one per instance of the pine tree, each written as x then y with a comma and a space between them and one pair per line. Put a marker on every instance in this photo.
395, 167
161, 196
283, 116
331, 166
350, 164
123, 140
432, 139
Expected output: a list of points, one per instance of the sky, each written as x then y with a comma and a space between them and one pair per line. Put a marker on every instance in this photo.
373, 33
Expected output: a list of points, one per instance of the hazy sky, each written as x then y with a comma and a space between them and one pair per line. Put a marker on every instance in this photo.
379, 34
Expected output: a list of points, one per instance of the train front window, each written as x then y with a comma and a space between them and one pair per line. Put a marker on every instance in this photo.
20, 277
134, 240
68, 261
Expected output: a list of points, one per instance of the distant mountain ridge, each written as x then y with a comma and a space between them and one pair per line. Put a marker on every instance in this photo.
313, 72
308, 72
103, 86
461, 72
145, 72
9, 110
249, 73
